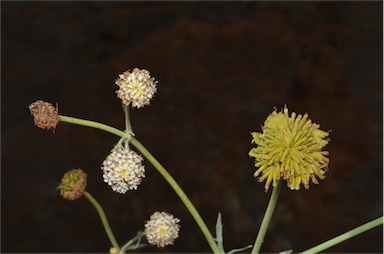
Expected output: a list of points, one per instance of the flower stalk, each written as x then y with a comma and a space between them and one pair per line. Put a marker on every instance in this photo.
345, 236
128, 126
93, 124
267, 218
103, 219
184, 198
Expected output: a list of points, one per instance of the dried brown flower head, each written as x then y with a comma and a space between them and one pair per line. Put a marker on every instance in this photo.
45, 115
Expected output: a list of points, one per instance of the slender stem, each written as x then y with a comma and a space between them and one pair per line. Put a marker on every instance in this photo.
191, 208
93, 124
345, 236
267, 218
103, 219
133, 241
128, 126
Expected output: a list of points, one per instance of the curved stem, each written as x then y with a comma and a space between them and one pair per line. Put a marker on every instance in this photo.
267, 218
92, 124
191, 208
103, 219
345, 236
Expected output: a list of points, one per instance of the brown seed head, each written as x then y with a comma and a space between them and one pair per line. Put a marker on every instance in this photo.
45, 115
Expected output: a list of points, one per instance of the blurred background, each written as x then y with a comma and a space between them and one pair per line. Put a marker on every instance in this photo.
222, 67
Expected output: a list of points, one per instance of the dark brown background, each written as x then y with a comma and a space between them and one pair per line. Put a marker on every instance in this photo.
222, 67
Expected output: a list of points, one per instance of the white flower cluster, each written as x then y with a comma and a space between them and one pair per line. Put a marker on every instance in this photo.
162, 229
123, 170
136, 87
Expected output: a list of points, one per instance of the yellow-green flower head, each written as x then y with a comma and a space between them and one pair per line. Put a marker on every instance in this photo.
136, 87
162, 229
123, 170
290, 147
73, 184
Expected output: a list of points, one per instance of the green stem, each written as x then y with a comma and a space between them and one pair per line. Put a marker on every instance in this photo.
267, 218
93, 124
103, 219
345, 236
128, 126
191, 208
134, 241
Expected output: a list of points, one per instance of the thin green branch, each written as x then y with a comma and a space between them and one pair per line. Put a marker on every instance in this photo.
191, 208
345, 236
92, 124
134, 243
128, 126
267, 218
103, 219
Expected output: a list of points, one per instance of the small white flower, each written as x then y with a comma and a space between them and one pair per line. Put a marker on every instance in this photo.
136, 87
162, 229
123, 170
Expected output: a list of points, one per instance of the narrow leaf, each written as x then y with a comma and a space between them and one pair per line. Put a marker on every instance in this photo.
240, 249
219, 233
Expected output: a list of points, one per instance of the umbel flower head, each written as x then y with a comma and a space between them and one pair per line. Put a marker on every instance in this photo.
123, 169
162, 229
136, 87
290, 147
45, 115
73, 184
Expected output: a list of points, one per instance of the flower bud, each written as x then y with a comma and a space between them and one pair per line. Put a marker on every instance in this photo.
73, 184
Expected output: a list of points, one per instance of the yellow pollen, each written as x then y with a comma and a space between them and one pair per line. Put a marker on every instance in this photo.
163, 230
137, 88
124, 173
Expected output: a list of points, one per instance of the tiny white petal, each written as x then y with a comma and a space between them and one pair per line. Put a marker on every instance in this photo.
136, 87
123, 170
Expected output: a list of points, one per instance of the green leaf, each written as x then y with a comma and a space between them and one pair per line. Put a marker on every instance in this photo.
240, 249
286, 252
219, 233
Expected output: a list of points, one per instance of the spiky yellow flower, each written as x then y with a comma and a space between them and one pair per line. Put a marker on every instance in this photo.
136, 87
73, 184
162, 229
290, 147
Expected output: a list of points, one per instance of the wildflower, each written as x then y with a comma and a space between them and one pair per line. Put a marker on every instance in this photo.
290, 147
45, 115
162, 229
136, 87
73, 184
123, 170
